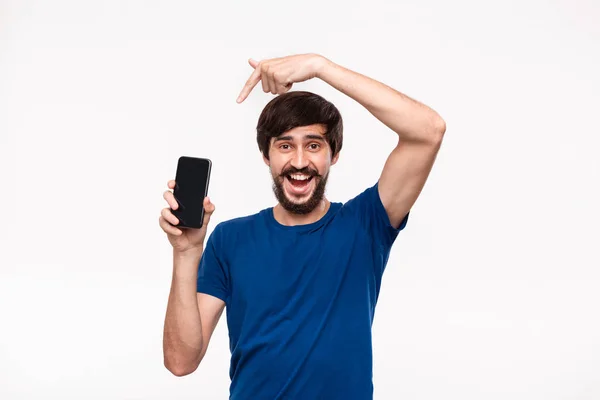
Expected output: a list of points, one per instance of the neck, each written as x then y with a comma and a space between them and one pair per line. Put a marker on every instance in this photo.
285, 217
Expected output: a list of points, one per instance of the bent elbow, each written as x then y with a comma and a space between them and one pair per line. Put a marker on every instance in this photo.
179, 372
438, 128
179, 368
432, 134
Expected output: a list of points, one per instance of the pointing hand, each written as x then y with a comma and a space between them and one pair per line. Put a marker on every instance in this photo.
279, 74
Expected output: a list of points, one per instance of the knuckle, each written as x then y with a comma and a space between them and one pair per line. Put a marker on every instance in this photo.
163, 224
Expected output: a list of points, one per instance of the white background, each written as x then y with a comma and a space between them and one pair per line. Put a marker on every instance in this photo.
491, 292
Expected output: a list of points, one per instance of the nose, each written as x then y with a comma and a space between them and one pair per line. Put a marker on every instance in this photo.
299, 160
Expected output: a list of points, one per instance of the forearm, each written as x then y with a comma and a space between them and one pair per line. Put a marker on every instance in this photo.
182, 340
411, 120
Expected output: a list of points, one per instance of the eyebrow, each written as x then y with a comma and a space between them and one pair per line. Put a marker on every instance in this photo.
309, 137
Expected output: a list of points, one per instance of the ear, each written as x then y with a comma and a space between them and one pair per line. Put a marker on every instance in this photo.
267, 162
335, 159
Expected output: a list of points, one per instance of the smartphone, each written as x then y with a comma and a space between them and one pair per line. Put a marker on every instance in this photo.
191, 187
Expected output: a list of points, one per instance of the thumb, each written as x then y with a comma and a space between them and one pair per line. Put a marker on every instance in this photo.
253, 63
209, 207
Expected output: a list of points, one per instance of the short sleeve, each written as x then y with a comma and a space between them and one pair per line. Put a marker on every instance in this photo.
369, 209
212, 274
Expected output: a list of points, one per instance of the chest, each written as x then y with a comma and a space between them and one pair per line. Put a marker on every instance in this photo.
281, 270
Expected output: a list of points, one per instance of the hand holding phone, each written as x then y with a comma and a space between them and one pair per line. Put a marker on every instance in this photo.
186, 219
191, 187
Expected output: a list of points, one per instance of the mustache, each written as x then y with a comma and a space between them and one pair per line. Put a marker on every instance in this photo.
305, 171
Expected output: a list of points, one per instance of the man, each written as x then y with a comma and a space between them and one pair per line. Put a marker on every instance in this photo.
300, 280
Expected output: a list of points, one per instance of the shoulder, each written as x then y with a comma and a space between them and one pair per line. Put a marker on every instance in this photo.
368, 197
243, 221
227, 230
236, 223
368, 210
357, 209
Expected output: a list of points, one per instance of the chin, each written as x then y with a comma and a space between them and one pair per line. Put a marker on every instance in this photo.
303, 204
305, 198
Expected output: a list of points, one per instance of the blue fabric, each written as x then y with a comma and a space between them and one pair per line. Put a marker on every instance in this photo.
300, 300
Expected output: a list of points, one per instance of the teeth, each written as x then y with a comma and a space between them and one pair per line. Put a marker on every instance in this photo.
300, 177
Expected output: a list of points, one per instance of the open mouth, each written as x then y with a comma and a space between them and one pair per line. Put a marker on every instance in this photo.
299, 183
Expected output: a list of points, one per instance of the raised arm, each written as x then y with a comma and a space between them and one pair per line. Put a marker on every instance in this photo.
420, 131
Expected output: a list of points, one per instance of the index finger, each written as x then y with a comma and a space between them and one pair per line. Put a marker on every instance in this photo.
250, 83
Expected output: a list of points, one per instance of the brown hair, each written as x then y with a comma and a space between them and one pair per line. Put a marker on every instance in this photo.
299, 108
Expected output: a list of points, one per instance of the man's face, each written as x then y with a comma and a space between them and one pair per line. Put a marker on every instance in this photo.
299, 160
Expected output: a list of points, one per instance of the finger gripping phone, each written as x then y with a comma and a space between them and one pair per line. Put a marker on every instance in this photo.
191, 187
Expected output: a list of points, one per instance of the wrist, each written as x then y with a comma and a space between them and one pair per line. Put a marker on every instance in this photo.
185, 264
322, 64
193, 253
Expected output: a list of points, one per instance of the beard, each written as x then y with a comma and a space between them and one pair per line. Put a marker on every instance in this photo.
308, 205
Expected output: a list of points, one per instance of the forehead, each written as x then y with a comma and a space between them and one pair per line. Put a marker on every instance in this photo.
303, 133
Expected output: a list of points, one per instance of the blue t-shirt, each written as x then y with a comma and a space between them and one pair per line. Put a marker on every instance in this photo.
300, 300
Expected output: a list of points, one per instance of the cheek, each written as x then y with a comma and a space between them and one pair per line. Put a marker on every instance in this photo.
322, 166
276, 168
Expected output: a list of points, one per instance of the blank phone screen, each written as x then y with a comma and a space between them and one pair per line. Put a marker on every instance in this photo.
191, 187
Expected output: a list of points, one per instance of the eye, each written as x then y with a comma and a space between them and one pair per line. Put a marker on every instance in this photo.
284, 146
314, 146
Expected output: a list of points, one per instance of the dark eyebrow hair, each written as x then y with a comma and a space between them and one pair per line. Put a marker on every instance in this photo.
309, 136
